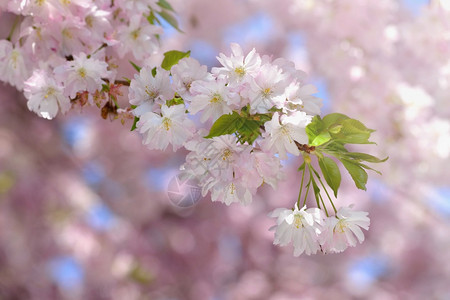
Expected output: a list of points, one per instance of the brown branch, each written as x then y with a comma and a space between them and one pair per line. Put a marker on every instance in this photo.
122, 82
305, 148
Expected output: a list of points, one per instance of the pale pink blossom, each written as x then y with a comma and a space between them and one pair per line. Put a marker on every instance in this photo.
302, 227
82, 74
146, 90
45, 96
138, 37
344, 229
212, 98
238, 67
171, 127
281, 133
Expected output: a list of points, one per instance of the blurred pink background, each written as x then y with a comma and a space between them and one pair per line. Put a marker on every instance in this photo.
84, 212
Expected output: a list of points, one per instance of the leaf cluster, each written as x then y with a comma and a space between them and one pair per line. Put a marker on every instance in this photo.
330, 136
246, 127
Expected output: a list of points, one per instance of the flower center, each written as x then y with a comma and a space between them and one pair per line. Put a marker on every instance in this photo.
285, 131
298, 221
135, 34
151, 93
240, 71
50, 92
66, 33
14, 58
216, 98
82, 72
167, 123
89, 21
227, 153
340, 226
232, 189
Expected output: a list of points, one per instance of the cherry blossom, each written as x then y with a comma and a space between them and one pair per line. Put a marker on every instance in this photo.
302, 227
45, 96
171, 127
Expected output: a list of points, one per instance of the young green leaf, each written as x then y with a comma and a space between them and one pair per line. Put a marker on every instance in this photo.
249, 130
331, 172
226, 124
135, 66
172, 58
358, 174
317, 132
166, 15
353, 132
364, 157
174, 101
334, 119
136, 119
166, 5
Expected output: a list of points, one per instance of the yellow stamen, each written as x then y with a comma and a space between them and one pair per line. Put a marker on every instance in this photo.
216, 98
340, 226
227, 153
82, 72
167, 123
50, 92
135, 34
240, 71
298, 221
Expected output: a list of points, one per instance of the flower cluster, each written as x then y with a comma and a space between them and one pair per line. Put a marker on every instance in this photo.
268, 98
310, 230
238, 121
56, 48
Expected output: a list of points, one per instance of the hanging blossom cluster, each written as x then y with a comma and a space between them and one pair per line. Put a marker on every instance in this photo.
55, 50
238, 122
254, 112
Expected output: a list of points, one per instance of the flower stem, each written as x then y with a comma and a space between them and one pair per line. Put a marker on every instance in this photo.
324, 207
307, 190
301, 187
329, 198
13, 28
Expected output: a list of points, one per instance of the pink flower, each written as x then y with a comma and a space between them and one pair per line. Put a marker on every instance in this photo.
344, 229
82, 74
45, 96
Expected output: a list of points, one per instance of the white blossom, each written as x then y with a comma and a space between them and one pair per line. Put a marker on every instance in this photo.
281, 137
171, 127
45, 96
344, 229
302, 227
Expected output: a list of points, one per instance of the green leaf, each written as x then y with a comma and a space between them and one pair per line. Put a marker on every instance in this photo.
334, 119
166, 15
364, 157
358, 174
301, 167
331, 172
152, 18
226, 124
316, 191
136, 119
174, 101
334, 148
369, 168
172, 58
317, 132
353, 132
105, 88
249, 131
140, 275
135, 66
154, 72
166, 5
